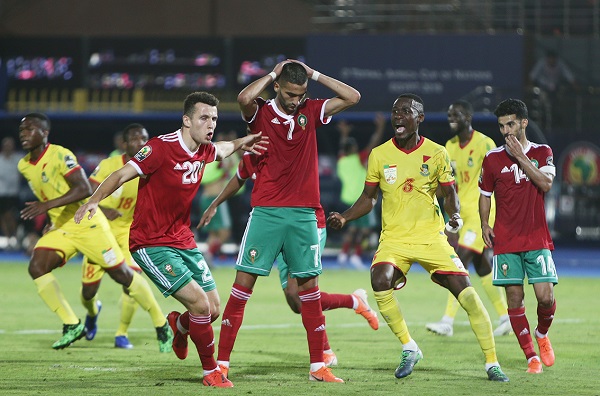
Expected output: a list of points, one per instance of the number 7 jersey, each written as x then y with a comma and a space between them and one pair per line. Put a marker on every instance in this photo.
170, 176
520, 213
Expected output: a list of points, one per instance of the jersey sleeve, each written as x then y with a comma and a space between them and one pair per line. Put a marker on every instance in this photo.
67, 162
373, 174
101, 172
486, 178
149, 158
444, 169
246, 167
546, 161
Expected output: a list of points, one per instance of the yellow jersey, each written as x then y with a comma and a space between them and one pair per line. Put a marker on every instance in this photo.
466, 162
123, 199
408, 180
47, 180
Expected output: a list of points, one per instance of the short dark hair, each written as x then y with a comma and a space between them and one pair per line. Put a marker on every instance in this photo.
128, 129
512, 106
414, 97
293, 73
41, 117
466, 106
198, 97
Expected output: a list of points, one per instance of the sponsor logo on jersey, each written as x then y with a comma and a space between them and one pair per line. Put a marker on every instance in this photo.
424, 170
275, 120
70, 161
390, 173
178, 166
143, 153
505, 170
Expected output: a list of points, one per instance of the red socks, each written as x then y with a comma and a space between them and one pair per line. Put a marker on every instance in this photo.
333, 301
232, 320
520, 326
201, 334
314, 322
545, 317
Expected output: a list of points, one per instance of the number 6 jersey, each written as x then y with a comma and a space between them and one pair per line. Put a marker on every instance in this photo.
170, 176
520, 214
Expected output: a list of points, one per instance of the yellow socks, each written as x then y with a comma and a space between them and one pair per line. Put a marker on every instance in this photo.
496, 295
452, 306
480, 322
390, 310
128, 308
90, 305
140, 291
49, 290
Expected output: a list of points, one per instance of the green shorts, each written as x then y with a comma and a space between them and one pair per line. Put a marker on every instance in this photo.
282, 265
221, 220
290, 231
511, 268
170, 269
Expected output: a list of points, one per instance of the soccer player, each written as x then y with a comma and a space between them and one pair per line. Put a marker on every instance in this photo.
60, 184
408, 169
467, 150
161, 242
519, 174
284, 196
118, 209
357, 300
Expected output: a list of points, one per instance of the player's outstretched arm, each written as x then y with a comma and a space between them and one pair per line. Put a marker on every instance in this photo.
107, 187
79, 188
232, 187
254, 143
363, 205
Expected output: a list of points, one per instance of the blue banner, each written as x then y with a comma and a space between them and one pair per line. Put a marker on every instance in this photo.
440, 69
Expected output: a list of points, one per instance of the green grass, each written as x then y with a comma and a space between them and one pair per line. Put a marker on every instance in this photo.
270, 355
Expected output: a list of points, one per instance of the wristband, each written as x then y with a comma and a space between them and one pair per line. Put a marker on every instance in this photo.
315, 75
273, 75
453, 230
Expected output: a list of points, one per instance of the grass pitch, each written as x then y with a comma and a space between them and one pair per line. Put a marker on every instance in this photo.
270, 355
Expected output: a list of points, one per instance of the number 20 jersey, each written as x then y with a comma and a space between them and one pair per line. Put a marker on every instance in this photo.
520, 214
170, 176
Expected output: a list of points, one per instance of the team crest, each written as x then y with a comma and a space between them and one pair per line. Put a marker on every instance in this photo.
470, 162
390, 172
534, 162
253, 253
44, 177
169, 269
302, 120
504, 267
143, 153
424, 170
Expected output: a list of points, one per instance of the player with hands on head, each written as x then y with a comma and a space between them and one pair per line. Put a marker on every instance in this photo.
161, 242
284, 198
519, 174
408, 169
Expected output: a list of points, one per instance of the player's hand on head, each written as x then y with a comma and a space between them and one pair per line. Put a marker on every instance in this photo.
335, 220
308, 69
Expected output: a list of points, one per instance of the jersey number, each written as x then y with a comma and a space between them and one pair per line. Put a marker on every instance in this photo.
408, 185
518, 173
125, 203
547, 266
192, 170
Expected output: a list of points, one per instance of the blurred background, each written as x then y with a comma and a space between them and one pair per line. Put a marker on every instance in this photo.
95, 67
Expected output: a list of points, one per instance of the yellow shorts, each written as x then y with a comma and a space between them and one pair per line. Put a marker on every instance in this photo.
470, 235
435, 257
92, 238
93, 273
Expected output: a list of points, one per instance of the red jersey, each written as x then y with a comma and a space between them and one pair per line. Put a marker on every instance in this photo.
247, 169
520, 214
170, 176
288, 172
